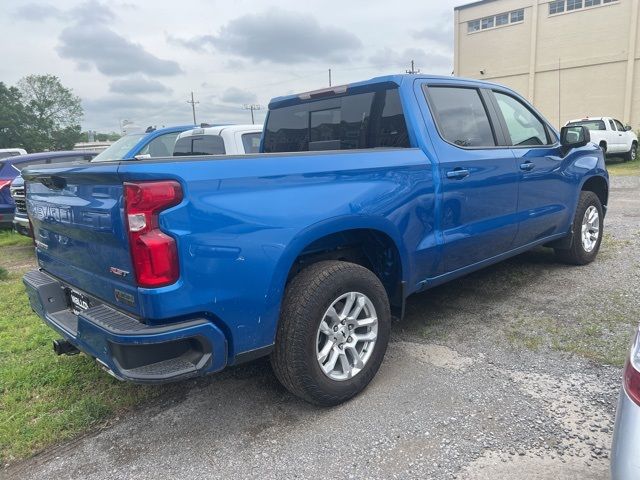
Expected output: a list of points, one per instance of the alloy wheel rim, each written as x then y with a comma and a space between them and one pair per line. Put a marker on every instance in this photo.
590, 228
346, 336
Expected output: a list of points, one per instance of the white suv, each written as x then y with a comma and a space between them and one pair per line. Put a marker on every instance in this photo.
614, 138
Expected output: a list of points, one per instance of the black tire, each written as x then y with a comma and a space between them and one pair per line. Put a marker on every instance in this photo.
577, 254
307, 298
632, 154
603, 146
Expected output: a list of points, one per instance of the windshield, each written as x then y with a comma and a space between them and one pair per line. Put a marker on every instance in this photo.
118, 150
590, 124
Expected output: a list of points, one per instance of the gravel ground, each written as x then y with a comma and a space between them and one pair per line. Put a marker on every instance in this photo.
511, 372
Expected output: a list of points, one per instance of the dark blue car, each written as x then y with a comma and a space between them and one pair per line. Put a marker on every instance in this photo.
10, 168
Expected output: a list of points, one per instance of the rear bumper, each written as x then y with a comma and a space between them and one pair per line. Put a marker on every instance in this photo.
21, 225
625, 450
122, 345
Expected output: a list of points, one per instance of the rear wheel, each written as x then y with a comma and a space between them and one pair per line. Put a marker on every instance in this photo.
333, 332
632, 154
587, 231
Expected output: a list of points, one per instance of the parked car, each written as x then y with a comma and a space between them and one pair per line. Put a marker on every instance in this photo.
20, 218
367, 193
150, 144
625, 450
11, 152
219, 140
614, 138
10, 168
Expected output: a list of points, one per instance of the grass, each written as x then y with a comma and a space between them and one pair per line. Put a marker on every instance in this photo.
44, 398
620, 168
9, 238
600, 332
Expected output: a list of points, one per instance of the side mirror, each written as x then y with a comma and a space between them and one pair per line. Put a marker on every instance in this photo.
627, 128
574, 137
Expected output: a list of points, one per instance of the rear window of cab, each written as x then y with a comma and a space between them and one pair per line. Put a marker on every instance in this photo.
353, 121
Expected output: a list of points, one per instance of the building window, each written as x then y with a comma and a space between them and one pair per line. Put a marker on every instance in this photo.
487, 22
493, 21
574, 4
517, 16
556, 7
502, 19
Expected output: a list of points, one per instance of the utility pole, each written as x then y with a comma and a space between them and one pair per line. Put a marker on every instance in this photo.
252, 107
413, 70
193, 107
329, 77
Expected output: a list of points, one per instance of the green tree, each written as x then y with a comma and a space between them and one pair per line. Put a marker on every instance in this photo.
55, 112
14, 118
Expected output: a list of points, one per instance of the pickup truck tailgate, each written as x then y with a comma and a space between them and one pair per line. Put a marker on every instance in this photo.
77, 216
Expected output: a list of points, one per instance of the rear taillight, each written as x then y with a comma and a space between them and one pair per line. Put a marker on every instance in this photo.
5, 183
632, 371
154, 253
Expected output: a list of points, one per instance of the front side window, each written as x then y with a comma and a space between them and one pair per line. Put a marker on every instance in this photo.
619, 125
461, 116
251, 142
161, 146
363, 120
525, 129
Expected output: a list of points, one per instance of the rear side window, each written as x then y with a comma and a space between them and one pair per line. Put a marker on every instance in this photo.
525, 129
461, 116
199, 145
590, 124
251, 142
363, 120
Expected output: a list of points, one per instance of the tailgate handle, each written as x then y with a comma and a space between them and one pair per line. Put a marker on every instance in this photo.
53, 182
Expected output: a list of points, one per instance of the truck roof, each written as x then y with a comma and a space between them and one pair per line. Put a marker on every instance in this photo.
218, 129
397, 79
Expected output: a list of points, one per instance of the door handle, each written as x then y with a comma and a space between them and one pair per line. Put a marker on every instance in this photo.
458, 173
527, 166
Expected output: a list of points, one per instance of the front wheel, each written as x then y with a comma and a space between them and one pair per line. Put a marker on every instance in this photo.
333, 332
586, 232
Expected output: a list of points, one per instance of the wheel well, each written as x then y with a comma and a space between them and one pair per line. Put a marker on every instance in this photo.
370, 248
597, 185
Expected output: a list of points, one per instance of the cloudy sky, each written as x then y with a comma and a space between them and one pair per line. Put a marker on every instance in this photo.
140, 60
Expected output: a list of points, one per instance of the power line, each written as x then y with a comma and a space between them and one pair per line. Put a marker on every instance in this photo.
193, 108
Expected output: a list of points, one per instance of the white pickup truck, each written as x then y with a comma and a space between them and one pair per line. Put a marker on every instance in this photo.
614, 138
219, 140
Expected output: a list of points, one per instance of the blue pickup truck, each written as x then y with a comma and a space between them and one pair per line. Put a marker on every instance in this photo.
364, 194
